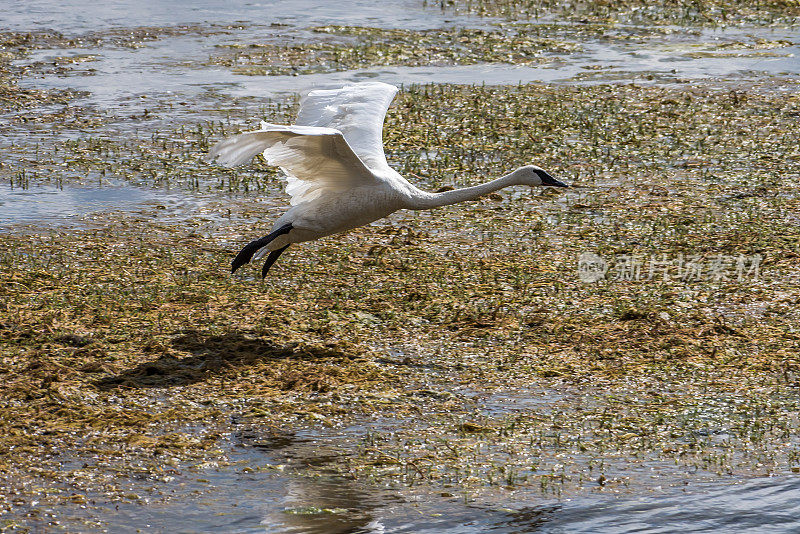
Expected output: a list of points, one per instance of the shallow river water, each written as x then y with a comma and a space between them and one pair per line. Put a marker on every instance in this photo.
235, 499
271, 501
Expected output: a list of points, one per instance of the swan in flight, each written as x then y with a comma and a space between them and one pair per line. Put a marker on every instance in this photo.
336, 171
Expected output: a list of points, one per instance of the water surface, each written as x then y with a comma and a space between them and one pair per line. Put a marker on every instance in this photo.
53, 205
262, 492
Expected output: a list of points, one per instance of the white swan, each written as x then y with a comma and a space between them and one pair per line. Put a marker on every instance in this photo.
337, 173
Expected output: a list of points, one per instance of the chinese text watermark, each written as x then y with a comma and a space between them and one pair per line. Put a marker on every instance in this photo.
663, 267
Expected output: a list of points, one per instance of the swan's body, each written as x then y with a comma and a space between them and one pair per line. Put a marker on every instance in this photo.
336, 170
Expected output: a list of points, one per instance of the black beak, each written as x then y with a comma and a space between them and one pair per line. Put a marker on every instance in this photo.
549, 180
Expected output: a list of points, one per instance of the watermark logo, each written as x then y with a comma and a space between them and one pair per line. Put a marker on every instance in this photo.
591, 267
686, 268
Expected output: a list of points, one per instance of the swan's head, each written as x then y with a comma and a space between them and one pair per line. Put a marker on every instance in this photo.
533, 175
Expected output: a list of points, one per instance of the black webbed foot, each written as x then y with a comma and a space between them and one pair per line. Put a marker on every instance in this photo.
246, 254
271, 259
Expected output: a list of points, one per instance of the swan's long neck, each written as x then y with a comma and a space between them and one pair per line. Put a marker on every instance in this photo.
423, 200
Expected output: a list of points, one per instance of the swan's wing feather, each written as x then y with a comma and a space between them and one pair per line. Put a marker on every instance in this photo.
355, 110
314, 159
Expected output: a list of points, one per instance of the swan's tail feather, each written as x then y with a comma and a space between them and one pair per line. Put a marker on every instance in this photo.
246, 254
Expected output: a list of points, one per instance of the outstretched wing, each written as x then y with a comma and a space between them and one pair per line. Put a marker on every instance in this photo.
314, 159
355, 110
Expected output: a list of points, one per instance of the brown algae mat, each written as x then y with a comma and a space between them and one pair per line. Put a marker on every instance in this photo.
336, 48
519, 43
128, 350
683, 12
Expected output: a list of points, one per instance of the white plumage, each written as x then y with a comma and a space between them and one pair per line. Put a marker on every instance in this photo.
336, 171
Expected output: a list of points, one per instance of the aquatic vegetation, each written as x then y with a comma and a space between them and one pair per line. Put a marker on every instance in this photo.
637, 330
588, 133
360, 47
17, 46
22, 42
13, 46
126, 344
685, 12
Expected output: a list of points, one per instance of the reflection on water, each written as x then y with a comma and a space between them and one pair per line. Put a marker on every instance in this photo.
247, 498
266, 490
330, 506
